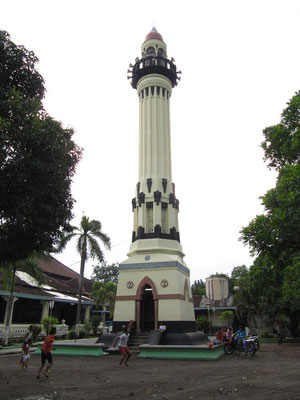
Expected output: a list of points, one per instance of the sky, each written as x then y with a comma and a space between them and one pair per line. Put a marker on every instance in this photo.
240, 65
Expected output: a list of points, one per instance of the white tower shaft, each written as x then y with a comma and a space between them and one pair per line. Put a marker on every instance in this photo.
154, 92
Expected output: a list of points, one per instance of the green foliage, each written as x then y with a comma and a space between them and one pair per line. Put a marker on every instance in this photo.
88, 326
37, 329
82, 334
282, 141
37, 159
104, 293
95, 321
198, 288
88, 234
226, 316
48, 323
28, 265
202, 323
219, 275
291, 284
237, 273
105, 273
72, 334
274, 237
265, 334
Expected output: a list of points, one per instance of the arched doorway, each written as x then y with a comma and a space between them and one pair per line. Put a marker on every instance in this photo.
147, 315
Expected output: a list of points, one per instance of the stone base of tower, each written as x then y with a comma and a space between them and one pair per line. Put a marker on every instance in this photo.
172, 326
154, 287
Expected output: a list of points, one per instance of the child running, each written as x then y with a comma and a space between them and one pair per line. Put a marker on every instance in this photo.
26, 347
124, 349
25, 354
46, 353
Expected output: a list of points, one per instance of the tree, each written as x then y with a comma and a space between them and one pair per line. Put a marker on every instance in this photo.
202, 323
198, 288
9, 272
104, 293
88, 234
227, 316
274, 237
282, 141
246, 301
236, 274
48, 323
106, 273
219, 275
37, 160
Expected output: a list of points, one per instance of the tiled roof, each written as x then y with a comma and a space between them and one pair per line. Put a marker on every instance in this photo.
54, 267
53, 270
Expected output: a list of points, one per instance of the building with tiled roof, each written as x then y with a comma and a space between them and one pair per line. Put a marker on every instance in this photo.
60, 291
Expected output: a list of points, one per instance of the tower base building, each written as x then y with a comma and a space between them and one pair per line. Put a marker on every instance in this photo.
154, 283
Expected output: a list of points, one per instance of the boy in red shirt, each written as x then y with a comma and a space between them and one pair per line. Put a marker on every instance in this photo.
46, 353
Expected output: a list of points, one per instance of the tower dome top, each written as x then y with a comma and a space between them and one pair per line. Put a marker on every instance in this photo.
154, 35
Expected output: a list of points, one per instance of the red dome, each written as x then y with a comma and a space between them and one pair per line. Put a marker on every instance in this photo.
154, 35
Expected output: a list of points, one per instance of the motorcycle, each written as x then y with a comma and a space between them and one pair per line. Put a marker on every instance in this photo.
249, 346
229, 345
256, 342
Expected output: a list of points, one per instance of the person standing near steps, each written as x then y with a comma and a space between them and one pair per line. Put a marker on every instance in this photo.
123, 347
46, 353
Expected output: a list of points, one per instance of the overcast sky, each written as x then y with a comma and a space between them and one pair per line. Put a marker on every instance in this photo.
240, 65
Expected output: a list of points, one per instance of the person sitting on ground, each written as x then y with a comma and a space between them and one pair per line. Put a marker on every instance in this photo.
220, 336
162, 327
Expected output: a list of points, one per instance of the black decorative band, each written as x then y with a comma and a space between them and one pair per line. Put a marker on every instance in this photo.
173, 235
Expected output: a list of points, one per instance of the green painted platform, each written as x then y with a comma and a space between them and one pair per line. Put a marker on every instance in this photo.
184, 352
74, 349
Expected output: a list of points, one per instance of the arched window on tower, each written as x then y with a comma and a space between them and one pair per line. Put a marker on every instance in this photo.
164, 217
161, 52
149, 218
151, 51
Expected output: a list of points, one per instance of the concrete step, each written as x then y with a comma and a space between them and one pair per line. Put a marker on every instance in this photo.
137, 340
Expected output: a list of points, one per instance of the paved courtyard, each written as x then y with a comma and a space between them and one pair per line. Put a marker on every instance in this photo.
272, 374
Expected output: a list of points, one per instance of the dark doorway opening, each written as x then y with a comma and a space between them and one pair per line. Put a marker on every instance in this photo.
147, 309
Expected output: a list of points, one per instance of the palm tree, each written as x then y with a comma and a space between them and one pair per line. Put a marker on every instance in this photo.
9, 270
104, 293
88, 234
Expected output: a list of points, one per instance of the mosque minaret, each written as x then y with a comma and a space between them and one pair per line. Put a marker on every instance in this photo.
154, 282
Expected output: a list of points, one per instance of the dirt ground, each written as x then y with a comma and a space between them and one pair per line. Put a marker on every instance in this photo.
273, 373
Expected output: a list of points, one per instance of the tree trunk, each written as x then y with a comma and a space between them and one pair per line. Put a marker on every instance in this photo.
104, 318
82, 264
9, 309
254, 320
